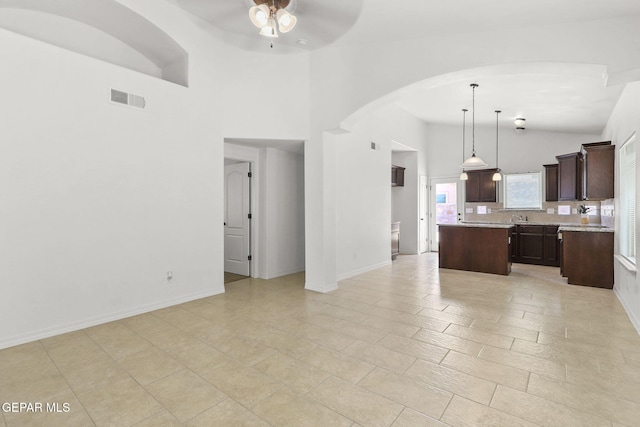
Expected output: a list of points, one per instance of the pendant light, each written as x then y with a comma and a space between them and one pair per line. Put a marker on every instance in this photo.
496, 175
473, 162
463, 175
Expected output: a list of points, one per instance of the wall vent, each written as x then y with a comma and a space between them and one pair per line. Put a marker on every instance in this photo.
125, 98
373, 145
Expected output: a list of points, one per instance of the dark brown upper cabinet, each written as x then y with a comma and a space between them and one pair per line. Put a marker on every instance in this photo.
480, 187
397, 176
570, 176
551, 182
598, 165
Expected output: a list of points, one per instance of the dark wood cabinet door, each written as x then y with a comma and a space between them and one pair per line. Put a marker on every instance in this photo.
569, 176
598, 170
531, 244
480, 187
551, 182
551, 250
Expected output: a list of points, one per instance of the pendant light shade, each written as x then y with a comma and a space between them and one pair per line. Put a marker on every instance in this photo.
473, 162
463, 175
259, 14
269, 30
286, 21
496, 175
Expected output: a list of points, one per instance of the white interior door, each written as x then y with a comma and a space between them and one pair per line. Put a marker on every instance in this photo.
423, 214
236, 218
447, 206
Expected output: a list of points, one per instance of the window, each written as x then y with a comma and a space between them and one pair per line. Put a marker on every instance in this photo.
523, 191
628, 199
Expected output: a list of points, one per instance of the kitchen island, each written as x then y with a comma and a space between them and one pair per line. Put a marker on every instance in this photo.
484, 248
587, 255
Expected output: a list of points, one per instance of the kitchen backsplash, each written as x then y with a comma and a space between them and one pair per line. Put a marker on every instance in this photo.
600, 213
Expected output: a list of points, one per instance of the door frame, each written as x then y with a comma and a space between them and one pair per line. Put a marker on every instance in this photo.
423, 217
246, 201
250, 155
460, 197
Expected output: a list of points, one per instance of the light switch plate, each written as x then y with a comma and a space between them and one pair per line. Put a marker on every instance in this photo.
482, 210
564, 210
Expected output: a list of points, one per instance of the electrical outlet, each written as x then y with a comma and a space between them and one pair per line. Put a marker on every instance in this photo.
169, 276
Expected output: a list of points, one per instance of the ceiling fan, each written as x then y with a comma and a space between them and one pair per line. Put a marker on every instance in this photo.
317, 23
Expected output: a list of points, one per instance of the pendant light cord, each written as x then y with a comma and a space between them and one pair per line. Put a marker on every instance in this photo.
473, 119
464, 121
497, 113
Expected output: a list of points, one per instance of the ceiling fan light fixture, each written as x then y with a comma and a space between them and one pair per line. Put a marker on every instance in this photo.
259, 15
286, 21
269, 30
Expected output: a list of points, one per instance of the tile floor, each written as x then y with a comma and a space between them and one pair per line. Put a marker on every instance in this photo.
404, 345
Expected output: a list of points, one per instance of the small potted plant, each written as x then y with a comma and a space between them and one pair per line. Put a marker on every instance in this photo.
582, 210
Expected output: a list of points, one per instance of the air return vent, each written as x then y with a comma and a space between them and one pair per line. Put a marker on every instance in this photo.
127, 98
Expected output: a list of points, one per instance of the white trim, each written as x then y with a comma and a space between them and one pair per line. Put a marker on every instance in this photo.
283, 273
75, 326
363, 270
632, 317
628, 265
323, 289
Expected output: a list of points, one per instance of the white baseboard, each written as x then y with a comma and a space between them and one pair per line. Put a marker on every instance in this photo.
632, 316
363, 270
87, 323
283, 273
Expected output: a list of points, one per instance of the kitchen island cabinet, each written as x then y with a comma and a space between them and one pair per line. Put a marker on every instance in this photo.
587, 256
484, 248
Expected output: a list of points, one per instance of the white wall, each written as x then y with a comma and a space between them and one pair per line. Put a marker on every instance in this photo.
624, 121
101, 200
525, 152
363, 189
284, 213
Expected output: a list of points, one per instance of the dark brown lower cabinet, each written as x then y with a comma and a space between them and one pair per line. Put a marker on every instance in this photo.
537, 244
482, 249
587, 258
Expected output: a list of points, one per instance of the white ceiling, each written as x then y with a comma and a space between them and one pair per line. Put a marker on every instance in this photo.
568, 98
574, 99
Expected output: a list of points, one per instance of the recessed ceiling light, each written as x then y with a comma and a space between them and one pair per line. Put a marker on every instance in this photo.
302, 42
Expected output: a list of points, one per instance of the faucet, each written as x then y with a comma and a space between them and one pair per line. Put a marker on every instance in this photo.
518, 217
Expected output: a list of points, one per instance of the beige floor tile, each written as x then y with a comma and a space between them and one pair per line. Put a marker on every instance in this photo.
380, 356
166, 337
286, 343
547, 326
59, 410
94, 373
185, 394
199, 357
604, 353
107, 330
399, 306
356, 403
464, 412
590, 380
338, 364
449, 342
494, 372
162, 419
349, 328
123, 343
589, 401
413, 347
563, 355
228, 414
72, 348
542, 411
410, 418
244, 350
479, 336
23, 356
407, 391
121, 403
150, 365
287, 409
246, 385
505, 329
525, 362
446, 317
31, 383
453, 381
297, 375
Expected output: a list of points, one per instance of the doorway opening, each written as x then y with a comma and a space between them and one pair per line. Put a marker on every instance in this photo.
447, 206
237, 220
